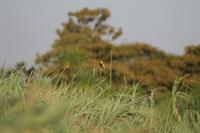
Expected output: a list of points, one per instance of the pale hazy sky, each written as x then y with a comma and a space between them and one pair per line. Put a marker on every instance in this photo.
28, 26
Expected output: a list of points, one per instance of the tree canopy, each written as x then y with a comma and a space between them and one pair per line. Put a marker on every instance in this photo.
86, 39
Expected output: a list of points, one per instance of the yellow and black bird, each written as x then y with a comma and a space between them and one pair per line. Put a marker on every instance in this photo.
101, 64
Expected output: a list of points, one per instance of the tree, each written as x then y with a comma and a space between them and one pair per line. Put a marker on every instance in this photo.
84, 27
192, 59
86, 39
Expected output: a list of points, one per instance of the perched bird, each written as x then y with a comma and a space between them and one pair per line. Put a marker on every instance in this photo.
101, 64
67, 66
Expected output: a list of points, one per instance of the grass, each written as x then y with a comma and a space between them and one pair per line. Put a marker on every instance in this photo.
91, 105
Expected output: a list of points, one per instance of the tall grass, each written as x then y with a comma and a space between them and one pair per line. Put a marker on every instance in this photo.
91, 105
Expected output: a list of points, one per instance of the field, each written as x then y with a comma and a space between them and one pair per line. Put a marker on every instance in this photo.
88, 81
93, 105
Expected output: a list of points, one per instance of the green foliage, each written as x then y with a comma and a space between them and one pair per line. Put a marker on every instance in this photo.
191, 59
85, 58
92, 21
95, 106
20, 68
11, 91
86, 39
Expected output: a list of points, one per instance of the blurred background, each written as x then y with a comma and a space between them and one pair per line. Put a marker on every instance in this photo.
28, 27
99, 66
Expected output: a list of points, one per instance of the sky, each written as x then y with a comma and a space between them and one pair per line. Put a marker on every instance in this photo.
28, 27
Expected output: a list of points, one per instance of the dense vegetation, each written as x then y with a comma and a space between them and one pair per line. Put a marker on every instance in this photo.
91, 105
86, 39
86, 83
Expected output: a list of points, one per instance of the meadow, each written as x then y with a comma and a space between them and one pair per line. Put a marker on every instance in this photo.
87, 84
92, 104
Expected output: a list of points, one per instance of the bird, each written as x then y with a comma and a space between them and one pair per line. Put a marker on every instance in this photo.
101, 64
67, 66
